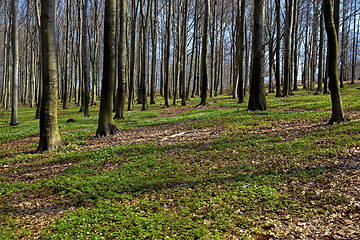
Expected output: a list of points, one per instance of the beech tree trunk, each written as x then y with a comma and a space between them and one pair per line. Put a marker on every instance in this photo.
257, 99
50, 139
106, 124
167, 57
184, 54
122, 64
337, 109
154, 53
240, 46
66, 76
132, 56
287, 50
321, 54
144, 20
85, 61
204, 56
15, 66
278, 45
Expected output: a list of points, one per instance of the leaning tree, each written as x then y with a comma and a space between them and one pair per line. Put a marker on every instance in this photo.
333, 56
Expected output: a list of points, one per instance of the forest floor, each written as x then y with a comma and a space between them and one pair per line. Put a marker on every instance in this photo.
214, 172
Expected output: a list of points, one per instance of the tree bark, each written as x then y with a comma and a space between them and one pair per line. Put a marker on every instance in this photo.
240, 48
337, 109
144, 20
212, 51
106, 124
50, 139
167, 56
287, 50
15, 66
67, 58
154, 53
204, 56
257, 99
122, 64
133, 55
184, 53
85, 59
321, 53
278, 45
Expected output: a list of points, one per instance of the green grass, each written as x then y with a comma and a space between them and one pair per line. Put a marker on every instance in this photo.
240, 183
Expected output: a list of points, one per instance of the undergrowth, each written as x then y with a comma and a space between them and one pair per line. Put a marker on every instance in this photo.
263, 168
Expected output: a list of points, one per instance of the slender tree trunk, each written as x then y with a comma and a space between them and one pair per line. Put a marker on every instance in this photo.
326, 78
337, 110
287, 51
321, 53
133, 55
296, 46
353, 62
240, 48
204, 55
40, 82
154, 53
184, 53
196, 62
294, 40
106, 125
6, 65
305, 67
50, 139
167, 56
343, 41
15, 66
212, 53
85, 59
177, 61
65, 95
144, 19
257, 99
122, 76
278, 44
194, 43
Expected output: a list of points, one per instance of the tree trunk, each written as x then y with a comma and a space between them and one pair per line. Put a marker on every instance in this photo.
122, 76
354, 50
106, 125
194, 44
167, 57
240, 48
50, 139
204, 55
85, 59
257, 99
133, 55
278, 45
184, 53
321, 54
212, 51
15, 66
154, 53
337, 110
177, 61
67, 58
287, 50
144, 20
